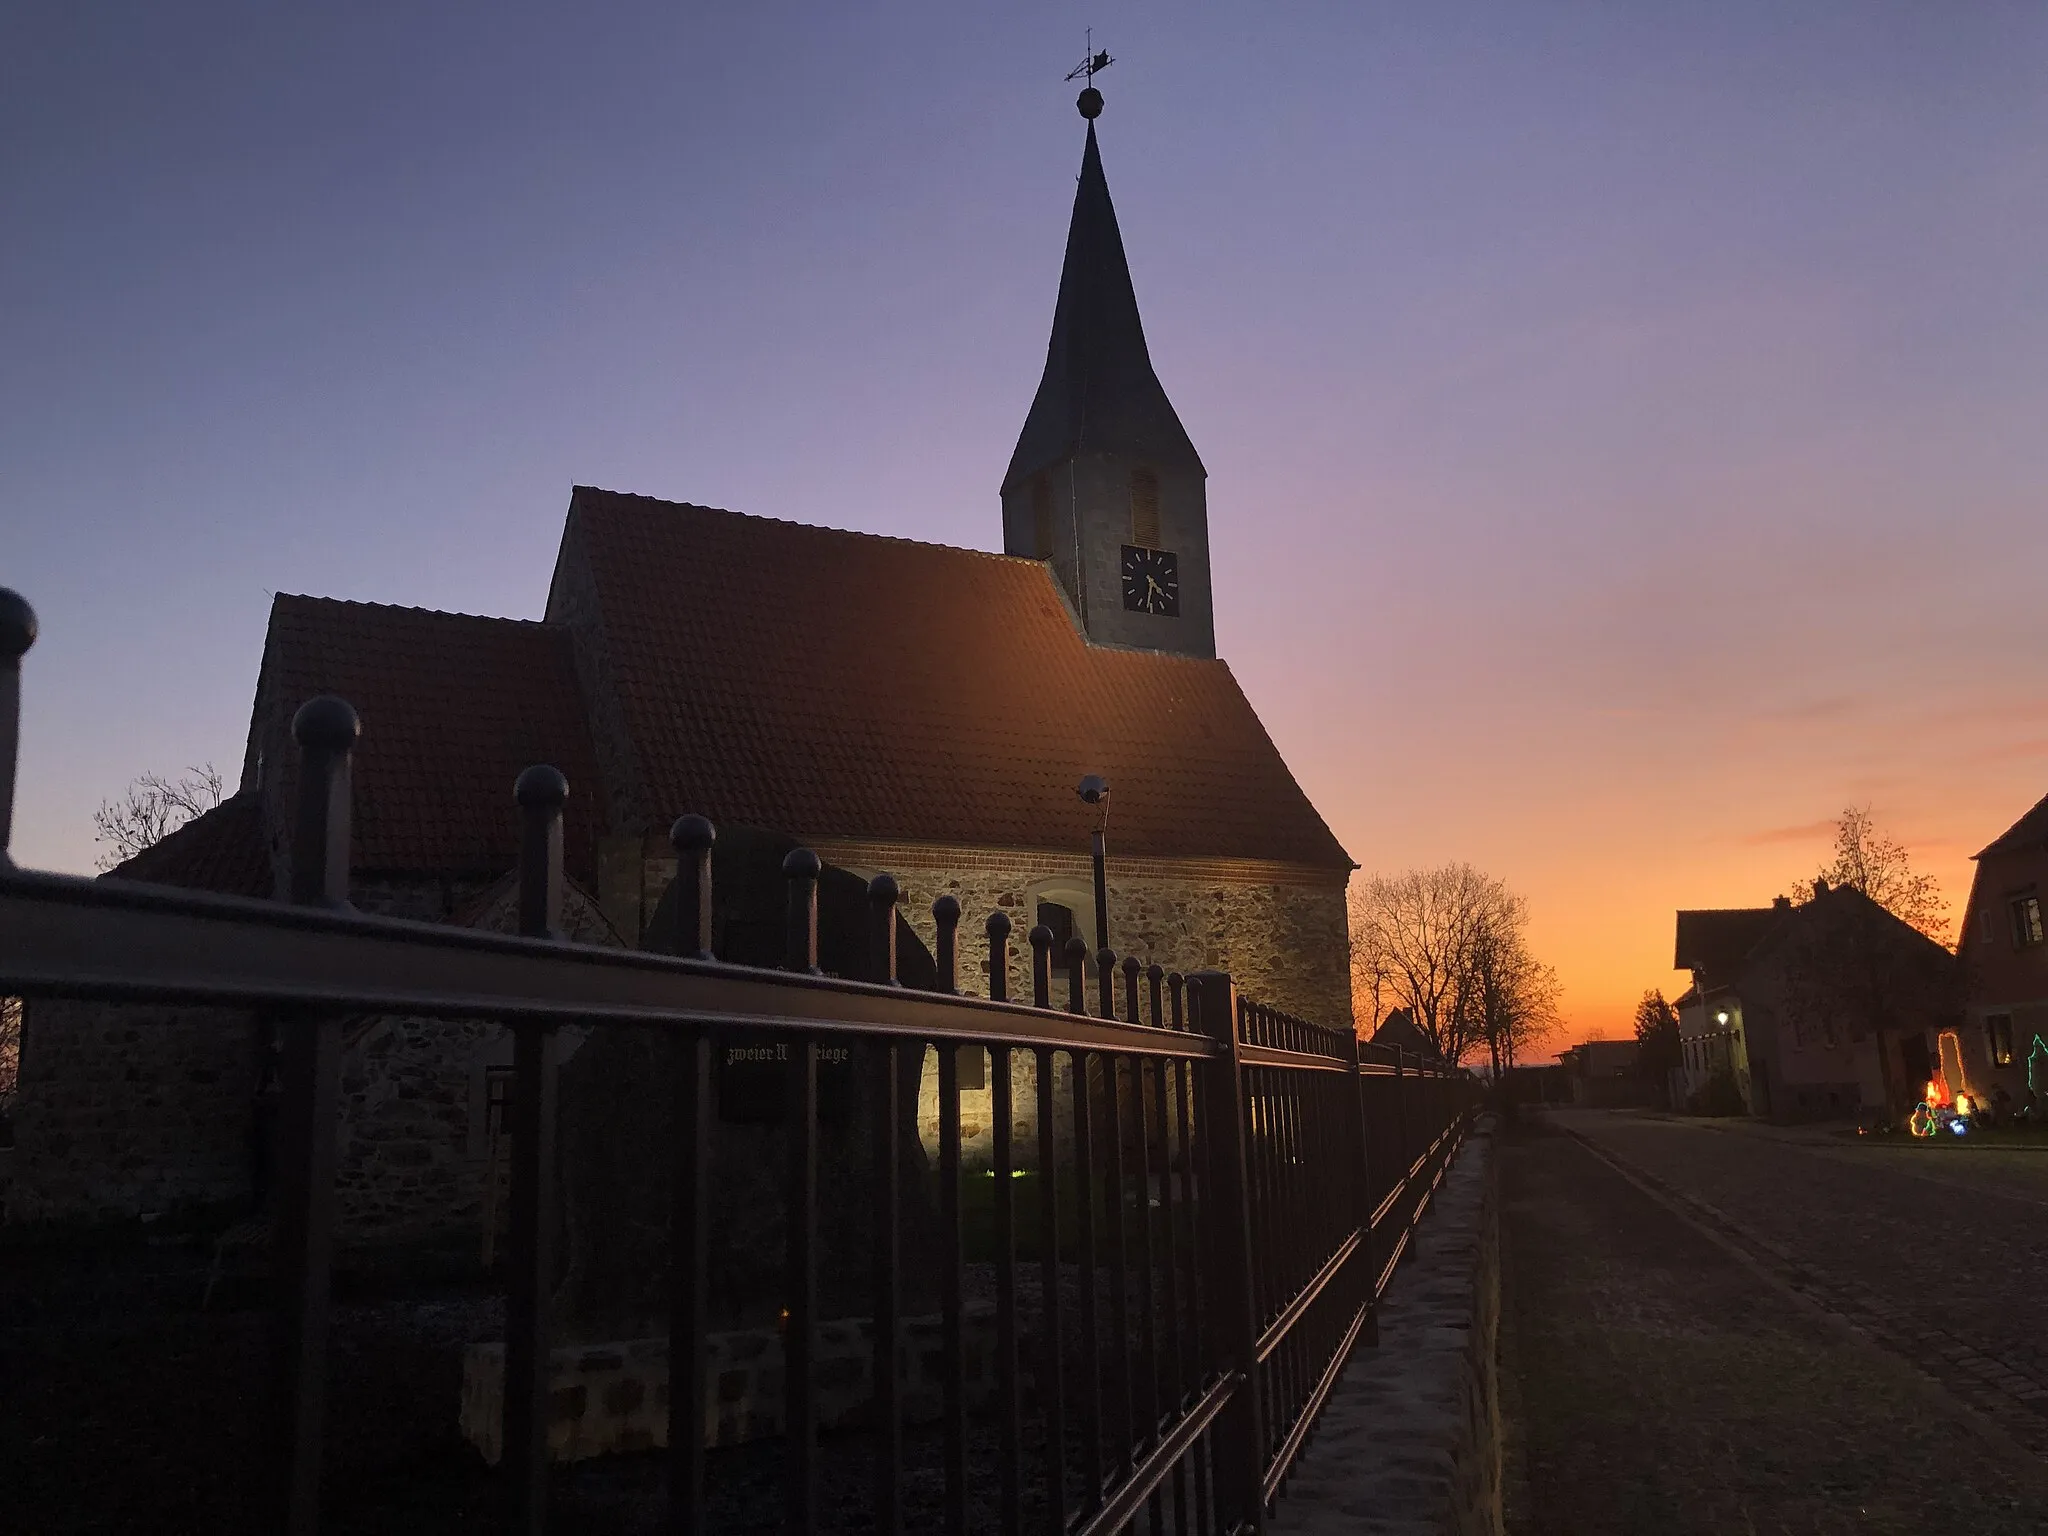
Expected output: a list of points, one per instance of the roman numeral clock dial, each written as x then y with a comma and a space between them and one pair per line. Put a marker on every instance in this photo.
1152, 581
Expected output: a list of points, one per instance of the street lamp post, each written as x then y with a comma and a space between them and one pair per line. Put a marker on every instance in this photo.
1094, 790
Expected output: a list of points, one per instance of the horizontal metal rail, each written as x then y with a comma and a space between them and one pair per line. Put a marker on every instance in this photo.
1283, 1460
61, 936
1293, 1061
1304, 1299
1122, 1507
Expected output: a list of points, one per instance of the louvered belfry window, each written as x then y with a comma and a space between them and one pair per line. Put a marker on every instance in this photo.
1145, 508
1041, 515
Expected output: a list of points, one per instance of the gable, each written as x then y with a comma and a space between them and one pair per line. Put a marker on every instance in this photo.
453, 706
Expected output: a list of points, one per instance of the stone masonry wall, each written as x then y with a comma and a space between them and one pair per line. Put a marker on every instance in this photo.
131, 1110
1280, 931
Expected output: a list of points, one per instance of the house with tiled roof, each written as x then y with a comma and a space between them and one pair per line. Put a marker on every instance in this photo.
2005, 1039
898, 706
1827, 1008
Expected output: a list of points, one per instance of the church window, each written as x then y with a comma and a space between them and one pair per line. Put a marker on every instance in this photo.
1041, 515
1145, 508
1060, 919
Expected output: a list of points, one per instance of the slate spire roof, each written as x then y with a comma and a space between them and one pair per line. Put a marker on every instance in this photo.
1099, 393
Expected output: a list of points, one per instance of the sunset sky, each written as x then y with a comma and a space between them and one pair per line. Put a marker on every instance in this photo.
1627, 425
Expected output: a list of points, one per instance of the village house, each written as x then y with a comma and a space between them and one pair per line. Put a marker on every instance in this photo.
1827, 1008
912, 708
2005, 1042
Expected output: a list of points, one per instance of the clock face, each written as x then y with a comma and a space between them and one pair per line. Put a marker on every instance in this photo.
1152, 581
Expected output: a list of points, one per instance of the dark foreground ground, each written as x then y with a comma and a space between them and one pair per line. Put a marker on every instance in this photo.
1657, 1383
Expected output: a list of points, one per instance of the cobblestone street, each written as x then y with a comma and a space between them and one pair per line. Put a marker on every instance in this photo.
1658, 1379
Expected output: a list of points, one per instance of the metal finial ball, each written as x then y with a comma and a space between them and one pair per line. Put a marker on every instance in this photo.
542, 784
327, 722
17, 623
947, 908
801, 864
692, 832
998, 925
1090, 103
1041, 937
883, 891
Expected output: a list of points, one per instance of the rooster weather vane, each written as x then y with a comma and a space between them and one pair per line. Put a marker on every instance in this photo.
1092, 64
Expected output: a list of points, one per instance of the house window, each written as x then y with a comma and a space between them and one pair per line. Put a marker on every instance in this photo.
1998, 1035
1145, 508
1041, 515
2026, 921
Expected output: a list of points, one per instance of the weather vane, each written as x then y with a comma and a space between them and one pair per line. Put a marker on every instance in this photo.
1091, 64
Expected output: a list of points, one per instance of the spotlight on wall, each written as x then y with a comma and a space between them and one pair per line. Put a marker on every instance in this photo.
1721, 1017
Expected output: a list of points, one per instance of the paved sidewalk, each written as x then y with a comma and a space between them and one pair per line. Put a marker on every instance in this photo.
1656, 1382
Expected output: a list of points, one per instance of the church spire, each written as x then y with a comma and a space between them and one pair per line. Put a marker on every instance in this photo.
1104, 485
1099, 393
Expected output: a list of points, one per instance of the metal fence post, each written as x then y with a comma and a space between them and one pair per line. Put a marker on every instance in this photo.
17, 634
692, 837
541, 792
1361, 1184
883, 894
998, 930
800, 868
325, 729
1241, 1434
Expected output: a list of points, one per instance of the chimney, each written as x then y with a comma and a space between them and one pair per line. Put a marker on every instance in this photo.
1820, 887
1781, 902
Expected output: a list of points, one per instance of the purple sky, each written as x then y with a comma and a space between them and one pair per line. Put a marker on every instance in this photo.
1625, 423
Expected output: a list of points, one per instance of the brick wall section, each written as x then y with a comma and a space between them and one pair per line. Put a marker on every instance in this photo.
1280, 930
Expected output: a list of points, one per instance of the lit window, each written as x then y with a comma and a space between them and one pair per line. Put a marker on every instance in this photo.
1998, 1035
2026, 921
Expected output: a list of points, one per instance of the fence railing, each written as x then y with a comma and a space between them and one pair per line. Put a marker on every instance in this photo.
1183, 1247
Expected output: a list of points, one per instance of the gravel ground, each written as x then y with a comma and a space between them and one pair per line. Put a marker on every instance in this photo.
1658, 1384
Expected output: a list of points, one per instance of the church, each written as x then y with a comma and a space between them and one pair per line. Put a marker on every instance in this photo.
904, 707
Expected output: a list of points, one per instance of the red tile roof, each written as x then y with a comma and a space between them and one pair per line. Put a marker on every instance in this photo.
220, 850
452, 708
833, 684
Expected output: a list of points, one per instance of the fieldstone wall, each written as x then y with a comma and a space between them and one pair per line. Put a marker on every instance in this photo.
411, 1159
1410, 1441
1281, 932
131, 1110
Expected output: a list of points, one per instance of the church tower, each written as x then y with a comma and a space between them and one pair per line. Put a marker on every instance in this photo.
1105, 485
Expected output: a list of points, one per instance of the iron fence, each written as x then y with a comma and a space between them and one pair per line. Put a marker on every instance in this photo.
1194, 1200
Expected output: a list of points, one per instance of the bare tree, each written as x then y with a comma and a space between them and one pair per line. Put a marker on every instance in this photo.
1511, 996
151, 809
1450, 946
1866, 860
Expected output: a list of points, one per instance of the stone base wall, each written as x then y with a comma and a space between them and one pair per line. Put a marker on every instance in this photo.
604, 1398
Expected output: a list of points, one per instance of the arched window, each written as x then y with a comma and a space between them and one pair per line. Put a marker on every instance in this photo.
1145, 508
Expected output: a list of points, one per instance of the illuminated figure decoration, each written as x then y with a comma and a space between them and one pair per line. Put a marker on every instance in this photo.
2037, 1070
1943, 1109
